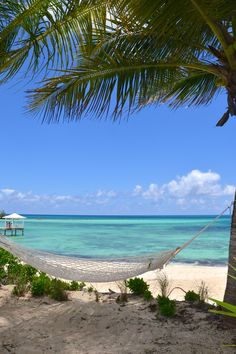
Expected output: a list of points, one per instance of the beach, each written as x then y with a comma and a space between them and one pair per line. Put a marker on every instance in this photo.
86, 326
188, 277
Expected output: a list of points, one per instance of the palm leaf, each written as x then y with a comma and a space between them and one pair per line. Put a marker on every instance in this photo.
47, 32
90, 86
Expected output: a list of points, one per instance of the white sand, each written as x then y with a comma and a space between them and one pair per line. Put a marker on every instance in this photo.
84, 326
188, 277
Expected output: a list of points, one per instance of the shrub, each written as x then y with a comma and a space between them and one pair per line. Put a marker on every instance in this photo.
40, 285
74, 286
147, 295
137, 286
29, 272
167, 307
6, 257
3, 275
90, 289
15, 271
192, 296
21, 287
81, 285
57, 290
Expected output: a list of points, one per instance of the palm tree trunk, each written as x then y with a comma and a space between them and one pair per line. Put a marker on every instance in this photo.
230, 291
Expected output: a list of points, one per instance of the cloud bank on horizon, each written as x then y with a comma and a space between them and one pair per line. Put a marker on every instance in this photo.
196, 192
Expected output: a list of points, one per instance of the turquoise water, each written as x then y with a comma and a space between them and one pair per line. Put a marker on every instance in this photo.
115, 236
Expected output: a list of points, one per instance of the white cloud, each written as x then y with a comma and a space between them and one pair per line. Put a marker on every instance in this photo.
194, 192
138, 189
198, 183
196, 188
7, 191
195, 182
153, 192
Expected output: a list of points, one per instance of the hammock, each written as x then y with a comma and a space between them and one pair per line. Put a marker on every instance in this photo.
95, 270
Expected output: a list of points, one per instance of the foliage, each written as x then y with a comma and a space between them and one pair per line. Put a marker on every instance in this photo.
3, 275
167, 307
2, 214
137, 286
57, 290
192, 296
6, 257
177, 52
40, 285
230, 310
74, 286
21, 287
90, 289
147, 295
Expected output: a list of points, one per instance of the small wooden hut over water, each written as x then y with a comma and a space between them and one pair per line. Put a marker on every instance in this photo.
13, 223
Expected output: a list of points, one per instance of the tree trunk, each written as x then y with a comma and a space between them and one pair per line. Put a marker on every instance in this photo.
230, 291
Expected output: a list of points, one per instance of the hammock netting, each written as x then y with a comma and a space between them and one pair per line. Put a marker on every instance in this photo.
83, 269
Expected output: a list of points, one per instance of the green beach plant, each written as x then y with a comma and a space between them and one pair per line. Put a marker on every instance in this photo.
137, 286
22, 286
3, 275
6, 257
166, 306
74, 286
147, 295
57, 290
40, 285
81, 285
191, 296
90, 289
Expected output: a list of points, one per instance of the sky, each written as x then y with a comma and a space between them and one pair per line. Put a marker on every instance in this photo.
159, 162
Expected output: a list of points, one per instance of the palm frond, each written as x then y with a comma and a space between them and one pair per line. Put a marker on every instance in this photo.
130, 81
46, 32
128, 52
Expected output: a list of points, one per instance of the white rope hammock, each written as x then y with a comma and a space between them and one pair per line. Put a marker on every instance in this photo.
95, 270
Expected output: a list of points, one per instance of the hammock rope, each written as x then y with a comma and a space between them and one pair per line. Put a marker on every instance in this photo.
96, 270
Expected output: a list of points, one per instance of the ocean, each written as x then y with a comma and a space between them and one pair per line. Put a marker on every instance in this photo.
117, 236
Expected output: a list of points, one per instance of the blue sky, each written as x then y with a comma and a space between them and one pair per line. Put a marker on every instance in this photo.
159, 162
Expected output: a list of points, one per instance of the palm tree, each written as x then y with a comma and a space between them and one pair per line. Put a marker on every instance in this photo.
131, 52
2, 214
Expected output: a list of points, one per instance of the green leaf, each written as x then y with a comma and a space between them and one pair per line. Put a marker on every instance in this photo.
227, 306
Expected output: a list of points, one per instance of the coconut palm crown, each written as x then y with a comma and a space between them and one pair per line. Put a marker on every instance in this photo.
114, 57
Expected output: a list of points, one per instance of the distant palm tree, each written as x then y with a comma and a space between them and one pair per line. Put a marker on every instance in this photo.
131, 52
2, 214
